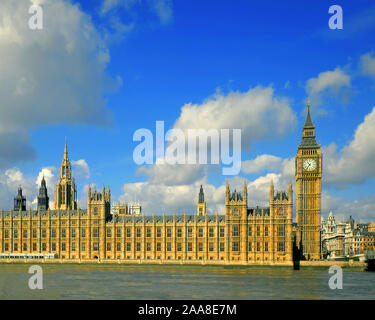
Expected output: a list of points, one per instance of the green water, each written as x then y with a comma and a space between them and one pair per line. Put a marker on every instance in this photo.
182, 282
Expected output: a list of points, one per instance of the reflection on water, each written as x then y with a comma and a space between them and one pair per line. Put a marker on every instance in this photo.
182, 282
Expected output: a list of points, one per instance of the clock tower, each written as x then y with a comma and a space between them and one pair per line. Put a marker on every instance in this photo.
308, 172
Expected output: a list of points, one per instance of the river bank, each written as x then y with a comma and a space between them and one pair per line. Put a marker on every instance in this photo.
303, 264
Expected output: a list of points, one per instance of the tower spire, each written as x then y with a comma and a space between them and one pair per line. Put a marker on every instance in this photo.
66, 149
201, 195
308, 122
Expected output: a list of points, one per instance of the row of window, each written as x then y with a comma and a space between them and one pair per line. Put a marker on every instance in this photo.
53, 233
235, 246
211, 232
138, 230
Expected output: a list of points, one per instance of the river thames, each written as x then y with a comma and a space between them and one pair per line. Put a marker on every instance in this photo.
182, 282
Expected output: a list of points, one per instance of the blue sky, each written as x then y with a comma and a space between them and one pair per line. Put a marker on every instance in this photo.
161, 55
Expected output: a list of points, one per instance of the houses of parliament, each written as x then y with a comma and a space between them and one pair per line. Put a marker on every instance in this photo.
264, 235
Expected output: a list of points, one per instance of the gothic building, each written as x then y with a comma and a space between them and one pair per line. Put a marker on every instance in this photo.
242, 235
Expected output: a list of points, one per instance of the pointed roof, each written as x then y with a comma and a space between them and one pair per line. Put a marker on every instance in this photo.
308, 140
201, 195
308, 122
66, 149
43, 182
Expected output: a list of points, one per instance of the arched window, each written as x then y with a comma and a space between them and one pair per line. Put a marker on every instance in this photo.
96, 211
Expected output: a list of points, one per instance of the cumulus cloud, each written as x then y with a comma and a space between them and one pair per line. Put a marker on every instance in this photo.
10, 180
50, 76
81, 169
354, 163
173, 174
179, 198
367, 63
335, 83
362, 210
258, 113
328, 79
260, 163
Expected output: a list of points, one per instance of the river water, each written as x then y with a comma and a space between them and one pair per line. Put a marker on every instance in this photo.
182, 282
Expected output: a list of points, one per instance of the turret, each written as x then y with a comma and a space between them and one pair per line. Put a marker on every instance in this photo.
43, 199
244, 192
272, 192
65, 190
19, 201
227, 193
201, 205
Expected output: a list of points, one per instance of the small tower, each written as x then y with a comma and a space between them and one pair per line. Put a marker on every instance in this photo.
65, 191
201, 205
43, 199
19, 201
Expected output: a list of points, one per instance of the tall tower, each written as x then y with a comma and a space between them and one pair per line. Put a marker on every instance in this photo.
308, 172
236, 224
65, 191
43, 199
99, 210
201, 205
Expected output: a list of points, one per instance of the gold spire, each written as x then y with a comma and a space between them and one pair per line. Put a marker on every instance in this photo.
66, 149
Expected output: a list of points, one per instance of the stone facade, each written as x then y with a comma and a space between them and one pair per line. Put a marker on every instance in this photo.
333, 237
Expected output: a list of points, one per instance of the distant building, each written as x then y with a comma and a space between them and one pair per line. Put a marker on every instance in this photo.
126, 209
333, 237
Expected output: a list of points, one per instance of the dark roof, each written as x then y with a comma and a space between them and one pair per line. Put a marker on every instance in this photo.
281, 195
258, 211
308, 142
308, 122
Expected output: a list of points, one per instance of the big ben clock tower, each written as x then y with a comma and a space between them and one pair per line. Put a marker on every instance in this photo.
308, 193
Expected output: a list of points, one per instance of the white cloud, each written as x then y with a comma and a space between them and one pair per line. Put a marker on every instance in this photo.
50, 76
362, 210
179, 198
354, 163
260, 163
258, 113
48, 175
159, 197
328, 79
10, 180
367, 63
81, 169
173, 174
328, 84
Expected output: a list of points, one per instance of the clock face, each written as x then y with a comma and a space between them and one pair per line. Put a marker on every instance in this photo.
309, 164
